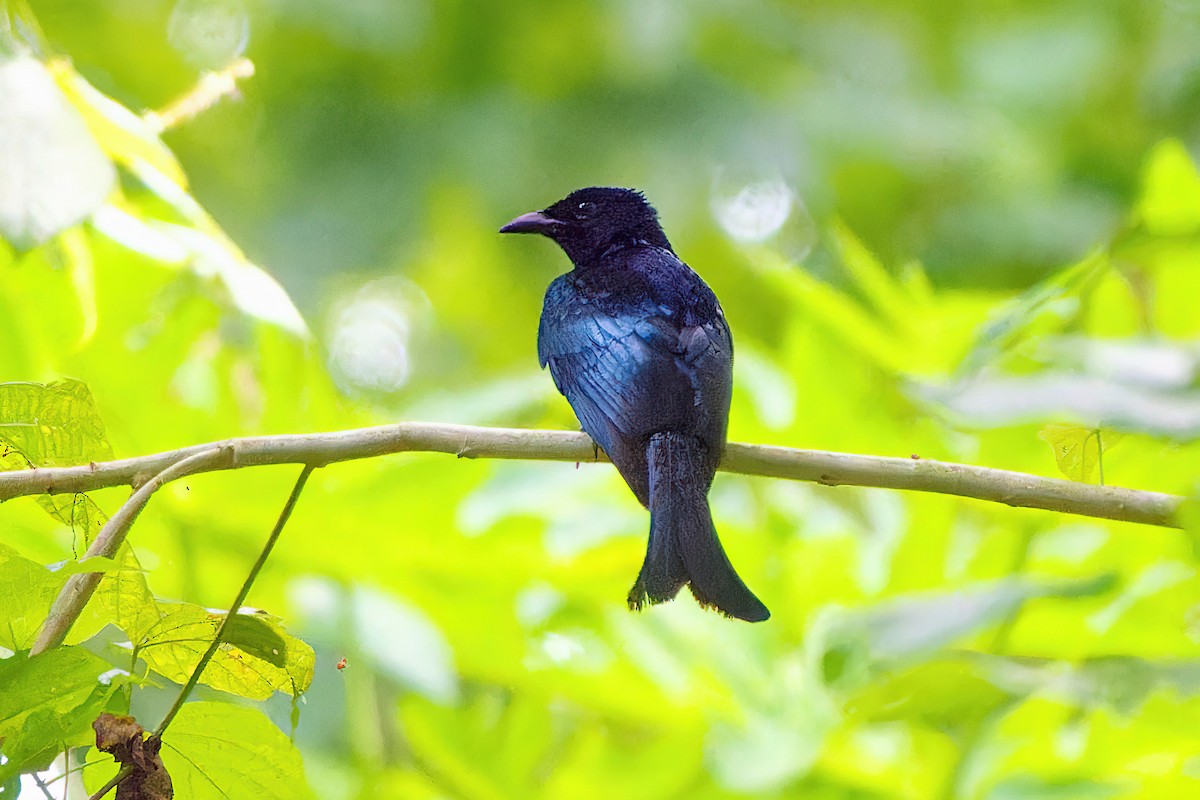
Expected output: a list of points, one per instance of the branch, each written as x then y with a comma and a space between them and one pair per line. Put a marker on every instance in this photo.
79, 587
830, 469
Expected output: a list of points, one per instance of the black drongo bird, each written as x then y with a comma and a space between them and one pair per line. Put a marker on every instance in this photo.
639, 346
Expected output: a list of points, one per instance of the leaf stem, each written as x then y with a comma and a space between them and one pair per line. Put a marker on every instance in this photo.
238, 601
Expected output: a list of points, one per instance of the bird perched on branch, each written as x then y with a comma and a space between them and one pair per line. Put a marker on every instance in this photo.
638, 344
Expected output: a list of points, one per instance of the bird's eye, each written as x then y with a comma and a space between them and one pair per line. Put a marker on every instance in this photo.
585, 206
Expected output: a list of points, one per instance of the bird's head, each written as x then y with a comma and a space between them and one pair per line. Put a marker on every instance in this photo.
587, 222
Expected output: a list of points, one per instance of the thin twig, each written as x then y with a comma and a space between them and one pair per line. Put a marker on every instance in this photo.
237, 601
41, 784
831, 469
208, 91
79, 587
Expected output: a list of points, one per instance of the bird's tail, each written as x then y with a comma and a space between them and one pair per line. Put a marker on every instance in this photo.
683, 546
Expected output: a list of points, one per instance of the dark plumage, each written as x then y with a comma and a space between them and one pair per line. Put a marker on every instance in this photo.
638, 344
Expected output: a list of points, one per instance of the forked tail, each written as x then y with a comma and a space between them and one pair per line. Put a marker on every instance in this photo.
683, 547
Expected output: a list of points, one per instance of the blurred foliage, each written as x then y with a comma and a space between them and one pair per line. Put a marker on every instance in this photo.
936, 231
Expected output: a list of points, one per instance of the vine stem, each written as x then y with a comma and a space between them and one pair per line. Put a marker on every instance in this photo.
238, 601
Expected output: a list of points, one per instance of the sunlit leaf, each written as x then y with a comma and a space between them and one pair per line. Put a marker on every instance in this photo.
950, 692
1116, 682
771, 390
885, 293
251, 288
122, 598
840, 313
54, 424
993, 401
1031, 787
173, 645
227, 752
78, 256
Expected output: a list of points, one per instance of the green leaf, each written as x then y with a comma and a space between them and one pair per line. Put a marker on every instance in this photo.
891, 299
48, 703
835, 310
53, 174
173, 645
27, 590
256, 635
1079, 451
946, 693
227, 752
53, 425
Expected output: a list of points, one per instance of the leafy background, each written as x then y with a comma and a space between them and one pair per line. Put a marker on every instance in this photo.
966, 233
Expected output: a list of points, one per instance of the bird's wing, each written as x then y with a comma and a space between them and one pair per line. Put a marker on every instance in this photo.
634, 373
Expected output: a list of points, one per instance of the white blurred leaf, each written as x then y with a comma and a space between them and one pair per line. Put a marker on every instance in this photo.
53, 174
999, 400
849, 646
250, 287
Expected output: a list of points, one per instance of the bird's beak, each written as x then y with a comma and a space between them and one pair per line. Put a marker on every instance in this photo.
533, 222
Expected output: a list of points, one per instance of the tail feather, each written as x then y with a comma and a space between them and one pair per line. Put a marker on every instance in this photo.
683, 547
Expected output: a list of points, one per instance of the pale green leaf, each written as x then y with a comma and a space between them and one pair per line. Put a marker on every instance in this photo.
27, 590
1044, 305
1079, 451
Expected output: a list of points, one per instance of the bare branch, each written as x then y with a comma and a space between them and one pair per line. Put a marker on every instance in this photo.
831, 469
